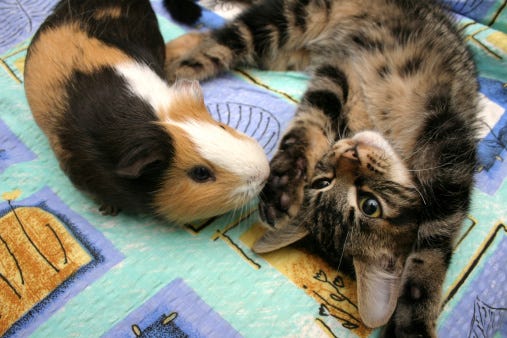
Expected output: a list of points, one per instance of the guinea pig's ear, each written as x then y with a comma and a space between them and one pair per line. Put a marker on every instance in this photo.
189, 88
133, 163
275, 239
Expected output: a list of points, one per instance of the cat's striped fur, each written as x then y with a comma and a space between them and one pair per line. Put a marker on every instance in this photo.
377, 165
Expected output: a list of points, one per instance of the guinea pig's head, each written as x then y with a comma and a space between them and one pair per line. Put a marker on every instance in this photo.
215, 168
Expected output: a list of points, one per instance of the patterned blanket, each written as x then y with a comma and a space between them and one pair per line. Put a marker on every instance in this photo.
68, 271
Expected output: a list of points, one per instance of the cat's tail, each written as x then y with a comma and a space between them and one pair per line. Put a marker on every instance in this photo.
183, 11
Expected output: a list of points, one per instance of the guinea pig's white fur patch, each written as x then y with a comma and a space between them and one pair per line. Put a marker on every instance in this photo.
210, 139
213, 142
144, 83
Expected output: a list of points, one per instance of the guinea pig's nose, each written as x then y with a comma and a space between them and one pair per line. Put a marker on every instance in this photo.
259, 177
253, 179
264, 176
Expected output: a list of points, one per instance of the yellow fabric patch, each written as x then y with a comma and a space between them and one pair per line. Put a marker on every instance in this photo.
37, 255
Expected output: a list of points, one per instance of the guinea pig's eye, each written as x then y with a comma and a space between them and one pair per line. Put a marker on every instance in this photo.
201, 174
370, 206
321, 183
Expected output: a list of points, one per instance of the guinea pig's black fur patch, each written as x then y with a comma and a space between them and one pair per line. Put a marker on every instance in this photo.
117, 150
107, 139
135, 31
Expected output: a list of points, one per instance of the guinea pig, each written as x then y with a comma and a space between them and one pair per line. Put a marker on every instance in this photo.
95, 83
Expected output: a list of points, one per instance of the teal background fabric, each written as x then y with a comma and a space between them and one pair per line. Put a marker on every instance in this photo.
68, 271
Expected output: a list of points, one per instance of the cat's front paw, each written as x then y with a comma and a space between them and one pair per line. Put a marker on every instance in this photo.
282, 196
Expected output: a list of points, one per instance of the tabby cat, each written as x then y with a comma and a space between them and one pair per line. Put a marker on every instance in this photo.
377, 165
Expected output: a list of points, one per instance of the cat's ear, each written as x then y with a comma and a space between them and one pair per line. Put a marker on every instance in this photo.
279, 238
377, 293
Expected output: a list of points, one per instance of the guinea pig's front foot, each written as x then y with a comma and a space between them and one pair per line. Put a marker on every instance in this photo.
282, 196
109, 210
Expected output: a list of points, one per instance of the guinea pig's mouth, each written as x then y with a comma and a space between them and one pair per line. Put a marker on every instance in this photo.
257, 188
244, 194
258, 181
255, 183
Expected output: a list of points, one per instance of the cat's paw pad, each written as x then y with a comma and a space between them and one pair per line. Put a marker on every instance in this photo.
283, 194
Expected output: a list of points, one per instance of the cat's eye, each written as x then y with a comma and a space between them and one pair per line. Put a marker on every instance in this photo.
201, 174
370, 206
321, 183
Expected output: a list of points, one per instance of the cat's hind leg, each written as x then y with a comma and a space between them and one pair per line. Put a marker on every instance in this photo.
419, 303
420, 298
251, 39
263, 36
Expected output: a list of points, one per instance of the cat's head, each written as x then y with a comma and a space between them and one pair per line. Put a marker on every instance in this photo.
361, 204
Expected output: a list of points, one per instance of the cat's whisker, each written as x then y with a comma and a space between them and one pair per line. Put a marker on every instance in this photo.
342, 132
345, 128
431, 168
343, 250
420, 194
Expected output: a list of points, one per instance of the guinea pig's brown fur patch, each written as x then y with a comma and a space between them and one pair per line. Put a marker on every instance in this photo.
55, 61
180, 198
186, 104
94, 80
189, 105
179, 195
